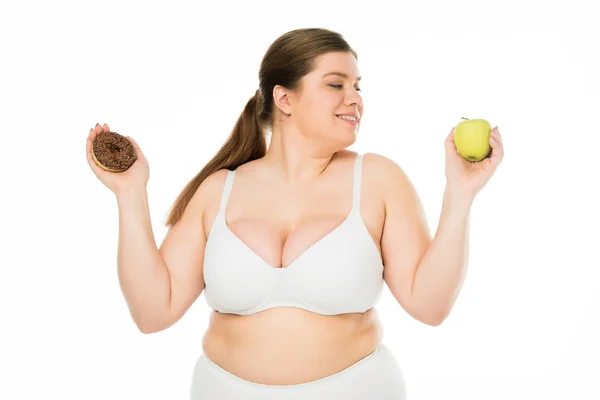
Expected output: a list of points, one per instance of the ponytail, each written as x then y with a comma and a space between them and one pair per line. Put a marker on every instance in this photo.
245, 143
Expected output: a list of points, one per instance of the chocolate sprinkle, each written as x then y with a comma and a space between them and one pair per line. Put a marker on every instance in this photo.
113, 152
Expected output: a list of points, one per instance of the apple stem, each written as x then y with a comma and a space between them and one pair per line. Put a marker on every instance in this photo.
465, 118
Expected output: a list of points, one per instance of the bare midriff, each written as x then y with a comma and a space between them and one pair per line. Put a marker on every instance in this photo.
287, 346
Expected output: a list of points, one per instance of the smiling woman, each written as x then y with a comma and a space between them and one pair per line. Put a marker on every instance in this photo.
298, 320
285, 241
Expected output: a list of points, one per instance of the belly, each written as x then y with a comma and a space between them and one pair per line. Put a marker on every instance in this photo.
287, 346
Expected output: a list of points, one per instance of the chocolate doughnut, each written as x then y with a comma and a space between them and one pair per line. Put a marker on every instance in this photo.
113, 152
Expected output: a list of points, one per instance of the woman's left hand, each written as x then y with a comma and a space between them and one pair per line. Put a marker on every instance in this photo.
469, 177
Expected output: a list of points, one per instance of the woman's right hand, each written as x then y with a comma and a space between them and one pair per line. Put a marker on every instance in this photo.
136, 177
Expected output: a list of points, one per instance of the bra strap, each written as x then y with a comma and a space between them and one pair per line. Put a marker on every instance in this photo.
226, 190
357, 182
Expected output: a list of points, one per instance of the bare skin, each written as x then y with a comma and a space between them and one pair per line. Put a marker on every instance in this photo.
286, 345
279, 206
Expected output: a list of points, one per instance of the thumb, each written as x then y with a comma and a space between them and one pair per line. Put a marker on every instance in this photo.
449, 142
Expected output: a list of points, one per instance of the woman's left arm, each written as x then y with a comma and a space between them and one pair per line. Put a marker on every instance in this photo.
425, 275
441, 272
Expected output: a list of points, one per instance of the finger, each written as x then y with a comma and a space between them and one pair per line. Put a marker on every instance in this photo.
88, 145
449, 142
92, 134
496, 152
98, 128
498, 139
451, 135
105, 128
88, 151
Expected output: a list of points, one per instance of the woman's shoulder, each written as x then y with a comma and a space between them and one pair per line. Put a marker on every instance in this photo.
211, 187
378, 167
213, 181
381, 173
376, 160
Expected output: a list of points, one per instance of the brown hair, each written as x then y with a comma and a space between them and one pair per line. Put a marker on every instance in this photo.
286, 62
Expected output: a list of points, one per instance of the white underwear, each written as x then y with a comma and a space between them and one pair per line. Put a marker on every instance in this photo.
376, 376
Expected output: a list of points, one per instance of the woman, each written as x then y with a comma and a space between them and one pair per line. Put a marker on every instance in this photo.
289, 243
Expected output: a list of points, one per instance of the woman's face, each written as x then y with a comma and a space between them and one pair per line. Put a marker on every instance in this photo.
333, 88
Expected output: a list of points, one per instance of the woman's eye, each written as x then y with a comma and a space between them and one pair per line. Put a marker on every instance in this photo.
340, 86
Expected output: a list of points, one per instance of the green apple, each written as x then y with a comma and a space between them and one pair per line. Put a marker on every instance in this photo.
472, 139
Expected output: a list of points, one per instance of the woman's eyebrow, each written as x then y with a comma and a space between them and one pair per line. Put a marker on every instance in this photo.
340, 74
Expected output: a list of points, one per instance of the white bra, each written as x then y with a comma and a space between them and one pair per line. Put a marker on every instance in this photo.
340, 273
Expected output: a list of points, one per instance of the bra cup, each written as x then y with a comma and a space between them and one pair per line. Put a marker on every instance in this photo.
342, 275
235, 278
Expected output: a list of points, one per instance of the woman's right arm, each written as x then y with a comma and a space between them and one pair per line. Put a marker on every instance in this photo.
160, 285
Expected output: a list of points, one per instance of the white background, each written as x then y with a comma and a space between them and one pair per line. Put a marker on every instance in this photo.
176, 75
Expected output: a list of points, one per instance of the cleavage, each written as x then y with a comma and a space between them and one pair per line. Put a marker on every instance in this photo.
280, 246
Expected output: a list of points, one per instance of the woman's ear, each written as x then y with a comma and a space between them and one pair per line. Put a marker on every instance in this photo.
281, 99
